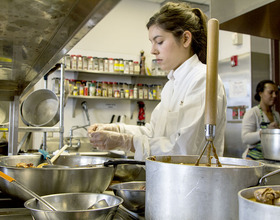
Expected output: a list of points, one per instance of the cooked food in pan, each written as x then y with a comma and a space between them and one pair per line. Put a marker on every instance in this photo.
267, 196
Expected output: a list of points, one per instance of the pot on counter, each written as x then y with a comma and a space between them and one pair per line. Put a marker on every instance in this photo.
270, 141
249, 209
175, 190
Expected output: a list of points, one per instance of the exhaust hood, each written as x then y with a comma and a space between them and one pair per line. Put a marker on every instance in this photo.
36, 34
253, 17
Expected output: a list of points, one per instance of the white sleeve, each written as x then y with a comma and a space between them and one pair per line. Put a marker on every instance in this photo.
250, 127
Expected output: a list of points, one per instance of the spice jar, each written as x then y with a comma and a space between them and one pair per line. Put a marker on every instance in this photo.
90, 63
111, 65
136, 67
110, 89
121, 66
150, 96
75, 90
101, 64
79, 62
67, 62
95, 64
131, 67
135, 92
145, 91
98, 89
106, 64
126, 67
115, 90
140, 91
92, 88
85, 63
104, 89
73, 62
116, 65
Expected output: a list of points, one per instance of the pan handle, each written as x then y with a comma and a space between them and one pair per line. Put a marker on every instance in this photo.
268, 175
117, 162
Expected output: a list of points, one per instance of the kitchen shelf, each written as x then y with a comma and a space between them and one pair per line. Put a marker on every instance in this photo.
116, 74
109, 98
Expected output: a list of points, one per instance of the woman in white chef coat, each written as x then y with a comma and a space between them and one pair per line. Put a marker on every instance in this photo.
260, 117
178, 34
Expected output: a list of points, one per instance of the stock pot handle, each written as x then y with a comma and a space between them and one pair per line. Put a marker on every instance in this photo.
117, 162
268, 175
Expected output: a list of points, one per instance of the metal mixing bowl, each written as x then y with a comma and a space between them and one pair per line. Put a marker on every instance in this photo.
40, 108
46, 181
73, 206
133, 194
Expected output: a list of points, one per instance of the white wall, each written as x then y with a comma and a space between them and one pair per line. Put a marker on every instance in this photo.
122, 34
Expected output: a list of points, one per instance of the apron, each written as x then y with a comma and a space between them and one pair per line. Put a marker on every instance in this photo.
255, 153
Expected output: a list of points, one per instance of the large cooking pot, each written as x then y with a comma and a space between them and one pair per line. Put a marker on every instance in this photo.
249, 209
175, 190
270, 141
45, 181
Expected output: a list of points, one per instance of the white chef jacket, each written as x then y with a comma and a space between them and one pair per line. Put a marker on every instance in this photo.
177, 123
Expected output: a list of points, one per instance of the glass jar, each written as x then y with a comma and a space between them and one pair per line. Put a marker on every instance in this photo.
85, 63
150, 95
135, 91
158, 89
95, 64
121, 66
140, 91
131, 91
145, 91
104, 89
106, 64
110, 89
86, 89
73, 62
90, 63
92, 88
75, 90
81, 89
126, 67
67, 62
98, 89
115, 89
101, 64
111, 65
116, 65
79, 62
131, 67
136, 67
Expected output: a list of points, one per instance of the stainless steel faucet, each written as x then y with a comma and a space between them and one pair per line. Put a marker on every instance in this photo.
85, 108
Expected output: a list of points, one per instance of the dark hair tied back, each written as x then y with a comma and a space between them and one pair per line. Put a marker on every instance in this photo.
180, 17
260, 88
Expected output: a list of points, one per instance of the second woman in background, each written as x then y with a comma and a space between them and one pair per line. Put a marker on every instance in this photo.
260, 117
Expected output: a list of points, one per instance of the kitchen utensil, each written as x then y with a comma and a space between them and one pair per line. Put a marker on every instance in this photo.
22, 187
74, 206
211, 90
40, 109
249, 209
53, 159
270, 141
133, 194
45, 181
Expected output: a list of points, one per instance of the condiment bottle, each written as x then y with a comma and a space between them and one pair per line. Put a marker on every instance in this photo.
136, 67
111, 65
73, 62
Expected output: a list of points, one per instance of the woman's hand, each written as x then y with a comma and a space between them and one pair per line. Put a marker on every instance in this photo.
103, 127
108, 140
273, 125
